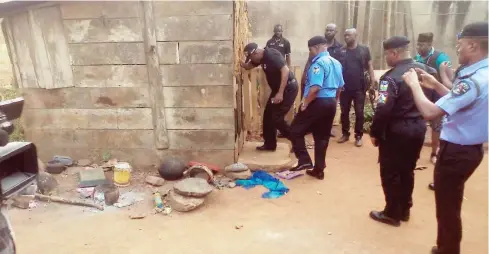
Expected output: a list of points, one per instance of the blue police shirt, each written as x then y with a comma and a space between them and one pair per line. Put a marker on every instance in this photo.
325, 72
466, 106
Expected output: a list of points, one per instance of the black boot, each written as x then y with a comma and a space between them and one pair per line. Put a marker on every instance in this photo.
265, 148
381, 217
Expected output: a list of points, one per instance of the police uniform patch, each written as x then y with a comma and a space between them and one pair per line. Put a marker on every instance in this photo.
315, 70
384, 84
460, 89
382, 98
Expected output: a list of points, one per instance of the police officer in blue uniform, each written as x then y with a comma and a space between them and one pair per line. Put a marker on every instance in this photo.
318, 108
463, 132
398, 129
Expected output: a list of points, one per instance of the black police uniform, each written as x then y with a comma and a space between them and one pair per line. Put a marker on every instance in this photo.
399, 129
274, 114
281, 44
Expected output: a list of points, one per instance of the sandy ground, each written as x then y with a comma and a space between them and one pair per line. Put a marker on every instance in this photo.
329, 216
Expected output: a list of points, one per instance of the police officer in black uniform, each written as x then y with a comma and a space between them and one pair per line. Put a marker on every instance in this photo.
279, 43
284, 90
398, 129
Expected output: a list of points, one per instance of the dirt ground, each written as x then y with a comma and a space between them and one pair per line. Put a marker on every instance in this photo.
329, 216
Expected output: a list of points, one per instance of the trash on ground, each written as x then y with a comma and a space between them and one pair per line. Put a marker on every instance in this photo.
108, 193
276, 187
129, 198
288, 175
157, 200
86, 192
92, 178
221, 181
122, 174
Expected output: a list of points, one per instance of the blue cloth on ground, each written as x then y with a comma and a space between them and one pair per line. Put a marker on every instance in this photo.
276, 187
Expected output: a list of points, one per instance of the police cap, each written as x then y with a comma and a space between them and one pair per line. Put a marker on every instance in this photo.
396, 42
425, 37
474, 30
249, 50
316, 40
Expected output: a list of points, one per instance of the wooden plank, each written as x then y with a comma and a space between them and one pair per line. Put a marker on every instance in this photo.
41, 61
154, 77
247, 100
196, 74
49, 21
199, 118
98, 9
198, 96
9, 41
110, 76
201, 139
107, 53
255, 117
103, 30
23, 47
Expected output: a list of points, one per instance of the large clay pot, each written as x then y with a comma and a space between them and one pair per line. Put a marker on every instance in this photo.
172, 168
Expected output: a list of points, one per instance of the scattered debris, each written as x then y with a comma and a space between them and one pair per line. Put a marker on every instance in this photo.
288, 175
221, 181
166, 210
193, 187
67, 201
55, 167
236, 167
23, 201
46, 183
129, 198
86, 192
319, 193
183, 204
172, 168
157, 200
238, 226
65, 160
109, 192
92, 178
155, 181
200, 171
84, 162
231, 184
137, 216
122, 174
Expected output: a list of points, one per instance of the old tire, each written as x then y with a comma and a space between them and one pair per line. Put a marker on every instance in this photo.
55, 167
172, 168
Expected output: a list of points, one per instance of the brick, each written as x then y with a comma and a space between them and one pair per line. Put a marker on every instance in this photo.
206, 52
188, 8
108, 30
199, 118
107, 53
99, 9
168, 52
201, 139
196, 75
204, 96
110, 76
194, 28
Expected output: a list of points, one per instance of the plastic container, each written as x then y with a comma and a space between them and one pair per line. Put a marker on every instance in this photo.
157, 200
122, 174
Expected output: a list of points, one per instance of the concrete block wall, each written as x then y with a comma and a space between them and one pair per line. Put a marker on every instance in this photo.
108, 109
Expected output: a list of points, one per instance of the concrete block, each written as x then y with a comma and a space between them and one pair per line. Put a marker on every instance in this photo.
199, 118
199, 97
110, 76
92, 177
189, 8
70, 118
201, 139
136, 118
268, 161
206, 52
99, 9
107, 53
103, 30
194, 28
197, 75
168, 52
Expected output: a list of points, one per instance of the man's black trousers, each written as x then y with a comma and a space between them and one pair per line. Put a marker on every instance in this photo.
318, 119
398, 154
454, 166
274, 115
358, 99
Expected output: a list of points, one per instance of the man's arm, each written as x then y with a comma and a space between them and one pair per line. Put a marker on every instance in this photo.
304, 74
247, 66
371, 72
446, 75
388, 92
288, 51
315, 77
284, 72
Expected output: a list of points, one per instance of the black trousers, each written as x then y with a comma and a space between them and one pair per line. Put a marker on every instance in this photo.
398, 154
318, 119
274, 115
455, 165
358, 99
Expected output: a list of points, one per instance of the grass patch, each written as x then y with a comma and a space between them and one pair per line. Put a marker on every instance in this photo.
7, 94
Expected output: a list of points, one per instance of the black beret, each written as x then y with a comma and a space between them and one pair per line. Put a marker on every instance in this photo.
396, 42
476, 29
249, 49
316, 40
425, 37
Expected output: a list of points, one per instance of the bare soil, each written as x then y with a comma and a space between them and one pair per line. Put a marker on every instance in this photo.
329, 216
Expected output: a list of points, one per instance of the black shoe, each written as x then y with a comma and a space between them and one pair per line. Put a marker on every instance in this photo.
381, 217
405, 216
264, 148
434, 250
343, 139
431, 186
317, 174
280, 135
302, 167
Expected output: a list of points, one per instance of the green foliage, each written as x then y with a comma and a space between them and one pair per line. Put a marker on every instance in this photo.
368, 114
106, 156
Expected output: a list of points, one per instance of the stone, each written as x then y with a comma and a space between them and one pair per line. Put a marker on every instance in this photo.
183, 204
193, 187
155, 181
84, 162
137, 216
231, 185
239, 175
270, 162
46, 183
92, 177
22, 201
236, 167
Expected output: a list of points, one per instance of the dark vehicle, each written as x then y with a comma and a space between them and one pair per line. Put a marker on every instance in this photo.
18, 167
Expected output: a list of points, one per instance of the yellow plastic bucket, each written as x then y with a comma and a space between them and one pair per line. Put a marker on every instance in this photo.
122, 174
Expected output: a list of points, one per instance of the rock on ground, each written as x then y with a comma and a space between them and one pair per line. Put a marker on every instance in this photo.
46, 183
183, 204
236, 167
193, 187
22, 201
239, 175
155, 181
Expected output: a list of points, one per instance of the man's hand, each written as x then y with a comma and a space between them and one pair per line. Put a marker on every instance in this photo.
278, 98
242, 64
411, 78
303, 106
374, 141
427, 80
